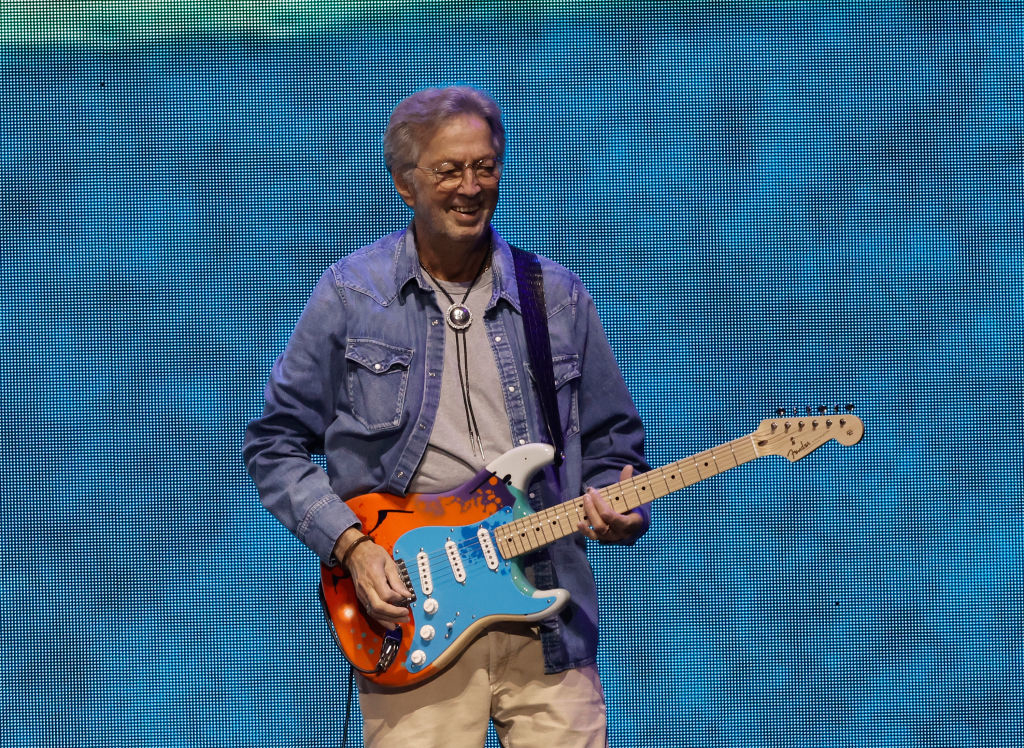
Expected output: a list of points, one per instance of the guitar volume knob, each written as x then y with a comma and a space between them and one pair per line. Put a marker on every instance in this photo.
430, 606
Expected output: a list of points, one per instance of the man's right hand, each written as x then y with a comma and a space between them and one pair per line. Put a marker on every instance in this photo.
378, 584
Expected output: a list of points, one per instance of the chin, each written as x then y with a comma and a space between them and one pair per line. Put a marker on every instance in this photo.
472, 233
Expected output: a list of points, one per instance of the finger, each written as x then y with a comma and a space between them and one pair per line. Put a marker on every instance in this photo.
378, 583
596, 526
386, 619
584, 525
398, 592
605, 513
383, 611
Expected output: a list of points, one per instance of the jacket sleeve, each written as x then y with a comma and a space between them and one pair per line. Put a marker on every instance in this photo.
611, 432
300, 401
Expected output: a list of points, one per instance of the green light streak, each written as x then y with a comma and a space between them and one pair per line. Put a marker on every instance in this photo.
110, 22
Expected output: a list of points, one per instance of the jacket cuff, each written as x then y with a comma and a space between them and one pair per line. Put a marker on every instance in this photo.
326, 520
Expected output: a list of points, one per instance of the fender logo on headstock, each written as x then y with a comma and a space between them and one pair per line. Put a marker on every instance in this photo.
797, 453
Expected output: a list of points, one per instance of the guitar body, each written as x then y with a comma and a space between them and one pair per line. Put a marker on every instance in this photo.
460, 581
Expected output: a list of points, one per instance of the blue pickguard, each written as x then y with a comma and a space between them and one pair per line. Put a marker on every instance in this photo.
486, 594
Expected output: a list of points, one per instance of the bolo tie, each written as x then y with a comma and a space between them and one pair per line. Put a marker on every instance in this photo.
459, 318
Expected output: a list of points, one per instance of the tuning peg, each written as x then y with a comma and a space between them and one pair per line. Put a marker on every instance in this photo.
809, 410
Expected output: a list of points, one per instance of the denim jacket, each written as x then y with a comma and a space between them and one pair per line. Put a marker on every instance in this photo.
360, 380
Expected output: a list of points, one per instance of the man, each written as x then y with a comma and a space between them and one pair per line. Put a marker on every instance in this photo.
407, 369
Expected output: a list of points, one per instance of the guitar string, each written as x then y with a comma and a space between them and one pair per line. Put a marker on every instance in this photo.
545, 517
446, 582
536, 521
541, 518
539, 521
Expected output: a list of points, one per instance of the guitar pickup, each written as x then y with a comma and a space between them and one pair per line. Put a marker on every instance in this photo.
483, 536
455, 560
423, 566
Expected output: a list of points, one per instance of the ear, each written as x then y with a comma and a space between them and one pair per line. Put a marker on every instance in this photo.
404, 188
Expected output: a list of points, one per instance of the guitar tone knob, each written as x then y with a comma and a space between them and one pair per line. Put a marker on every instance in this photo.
430, 606
418, 657
427, 633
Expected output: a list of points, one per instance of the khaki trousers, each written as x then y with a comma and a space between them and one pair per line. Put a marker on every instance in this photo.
499, 677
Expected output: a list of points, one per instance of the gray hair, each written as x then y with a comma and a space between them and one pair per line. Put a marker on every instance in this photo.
419, 116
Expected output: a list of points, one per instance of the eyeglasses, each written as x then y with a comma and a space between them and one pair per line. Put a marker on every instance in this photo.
448, 176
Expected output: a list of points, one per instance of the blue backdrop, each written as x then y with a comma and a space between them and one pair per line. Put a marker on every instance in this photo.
775, 205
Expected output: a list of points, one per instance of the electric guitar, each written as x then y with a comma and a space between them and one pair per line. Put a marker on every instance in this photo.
464, 577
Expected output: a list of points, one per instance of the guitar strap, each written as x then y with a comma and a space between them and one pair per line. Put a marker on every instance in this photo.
535, 324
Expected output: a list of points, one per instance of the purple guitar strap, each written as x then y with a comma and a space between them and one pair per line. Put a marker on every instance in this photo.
535, 324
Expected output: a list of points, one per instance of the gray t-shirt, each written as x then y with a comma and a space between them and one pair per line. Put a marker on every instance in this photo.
450, 458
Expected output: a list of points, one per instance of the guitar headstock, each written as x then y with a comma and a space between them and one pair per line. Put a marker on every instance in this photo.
797, 436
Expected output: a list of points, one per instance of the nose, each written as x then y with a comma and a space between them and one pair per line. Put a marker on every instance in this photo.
473, 185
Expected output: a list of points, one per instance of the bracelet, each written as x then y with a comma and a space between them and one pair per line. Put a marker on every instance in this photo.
343, 563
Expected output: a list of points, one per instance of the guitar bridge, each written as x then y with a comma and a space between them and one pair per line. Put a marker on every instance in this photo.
403, 571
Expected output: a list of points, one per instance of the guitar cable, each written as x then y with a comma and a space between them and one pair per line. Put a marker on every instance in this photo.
348, 707
388, 650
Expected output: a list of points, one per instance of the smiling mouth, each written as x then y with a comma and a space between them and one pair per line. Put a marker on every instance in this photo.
467, 215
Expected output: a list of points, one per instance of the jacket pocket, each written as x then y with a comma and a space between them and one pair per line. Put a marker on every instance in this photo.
378, 376
567, 375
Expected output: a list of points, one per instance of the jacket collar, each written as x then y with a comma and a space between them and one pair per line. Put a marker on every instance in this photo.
407, 268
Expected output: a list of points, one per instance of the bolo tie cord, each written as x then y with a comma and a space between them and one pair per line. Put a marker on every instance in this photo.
462, 356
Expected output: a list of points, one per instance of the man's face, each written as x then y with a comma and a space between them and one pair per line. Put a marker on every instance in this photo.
457, 217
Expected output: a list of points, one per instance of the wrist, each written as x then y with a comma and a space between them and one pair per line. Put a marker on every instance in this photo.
346, 544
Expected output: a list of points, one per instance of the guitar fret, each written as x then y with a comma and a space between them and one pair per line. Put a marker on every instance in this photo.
642, 492
673, 478
526, 536
688, 472
543, 523
725, 458
746, 449
577, 508
661, 488
510, 542
704, 462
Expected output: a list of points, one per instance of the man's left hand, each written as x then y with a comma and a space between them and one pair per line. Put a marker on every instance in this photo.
606, 525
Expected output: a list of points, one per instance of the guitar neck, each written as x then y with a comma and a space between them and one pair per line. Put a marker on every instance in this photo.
542, 528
